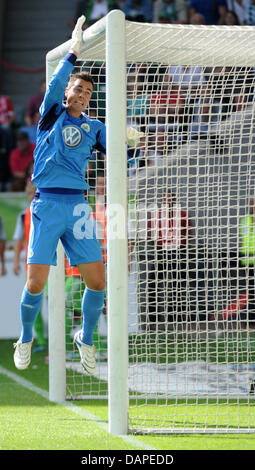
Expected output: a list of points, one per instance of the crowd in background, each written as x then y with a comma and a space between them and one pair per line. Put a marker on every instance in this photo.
170, 105
172, 11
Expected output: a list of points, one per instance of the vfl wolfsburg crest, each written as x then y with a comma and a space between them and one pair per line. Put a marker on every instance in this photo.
72, 136
85, 127
30, 253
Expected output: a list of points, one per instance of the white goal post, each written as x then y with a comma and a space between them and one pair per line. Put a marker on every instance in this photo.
190, 371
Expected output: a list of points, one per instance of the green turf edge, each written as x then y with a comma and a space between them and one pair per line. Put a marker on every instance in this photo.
38, 375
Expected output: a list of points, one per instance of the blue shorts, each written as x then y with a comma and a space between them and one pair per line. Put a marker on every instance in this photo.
66, 217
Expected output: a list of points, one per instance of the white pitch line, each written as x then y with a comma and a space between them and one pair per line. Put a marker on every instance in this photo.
131, 440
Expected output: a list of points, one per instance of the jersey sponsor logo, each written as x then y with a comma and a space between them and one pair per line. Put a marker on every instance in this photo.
72, 136
85, 127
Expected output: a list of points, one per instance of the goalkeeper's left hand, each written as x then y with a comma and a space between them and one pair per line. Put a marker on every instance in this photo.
77, 35
133, 136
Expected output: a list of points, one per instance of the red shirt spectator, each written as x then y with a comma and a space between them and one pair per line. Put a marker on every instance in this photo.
6, 110
34, 104
173, 98
22, 155
170, 103
20, 158
169, 226
167, 105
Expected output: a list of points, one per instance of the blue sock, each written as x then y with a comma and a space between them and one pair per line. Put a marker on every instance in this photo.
29, 309
92, 306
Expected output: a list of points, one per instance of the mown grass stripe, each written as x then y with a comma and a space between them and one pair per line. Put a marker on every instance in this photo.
131, 440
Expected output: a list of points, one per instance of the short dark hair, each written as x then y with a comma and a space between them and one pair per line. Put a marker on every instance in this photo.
83, 76
100, 173
22, 136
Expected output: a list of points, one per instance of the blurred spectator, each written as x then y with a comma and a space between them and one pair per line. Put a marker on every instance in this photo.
238, 7
169, 233
250, 13
247, 256
187, 77
7, 117
34, 104
20, 158
93, 10
197, 18
150, 74
99, 8
212, 10
96, 164
137, 99
231, 18
97, 106
190, 79
3, 271
7, 114
243, 88
232, 86
31, 130
138, 10
21, 233
167, 105
206, 112
5, 149
157, 147
173, 11
99, 212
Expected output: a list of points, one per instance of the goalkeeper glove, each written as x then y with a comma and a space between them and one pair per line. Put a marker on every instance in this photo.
133, 136
77, 34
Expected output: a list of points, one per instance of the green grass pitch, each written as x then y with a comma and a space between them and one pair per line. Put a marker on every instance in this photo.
10, 207
30, 421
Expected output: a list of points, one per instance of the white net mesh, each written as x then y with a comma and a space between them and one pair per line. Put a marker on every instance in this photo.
191, 287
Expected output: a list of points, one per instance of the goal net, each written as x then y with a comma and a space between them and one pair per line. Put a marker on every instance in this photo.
190, 189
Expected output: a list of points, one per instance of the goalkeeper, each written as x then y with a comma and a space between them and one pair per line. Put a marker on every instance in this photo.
66, 138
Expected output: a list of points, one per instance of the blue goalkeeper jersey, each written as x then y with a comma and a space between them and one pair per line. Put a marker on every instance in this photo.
64, 144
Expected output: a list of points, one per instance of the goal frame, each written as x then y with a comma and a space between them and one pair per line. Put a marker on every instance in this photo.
112, 28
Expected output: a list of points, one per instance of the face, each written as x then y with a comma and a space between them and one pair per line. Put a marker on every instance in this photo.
22, 144
100, 186
78, 94
230, 19
168, 199
252, 205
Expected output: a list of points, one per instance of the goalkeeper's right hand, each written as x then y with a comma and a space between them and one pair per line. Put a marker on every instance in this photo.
77, 35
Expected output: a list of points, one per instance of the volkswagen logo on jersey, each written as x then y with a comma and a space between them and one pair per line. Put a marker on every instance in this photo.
72, 136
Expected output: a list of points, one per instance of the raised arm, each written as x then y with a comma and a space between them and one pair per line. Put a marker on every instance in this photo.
56, 87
